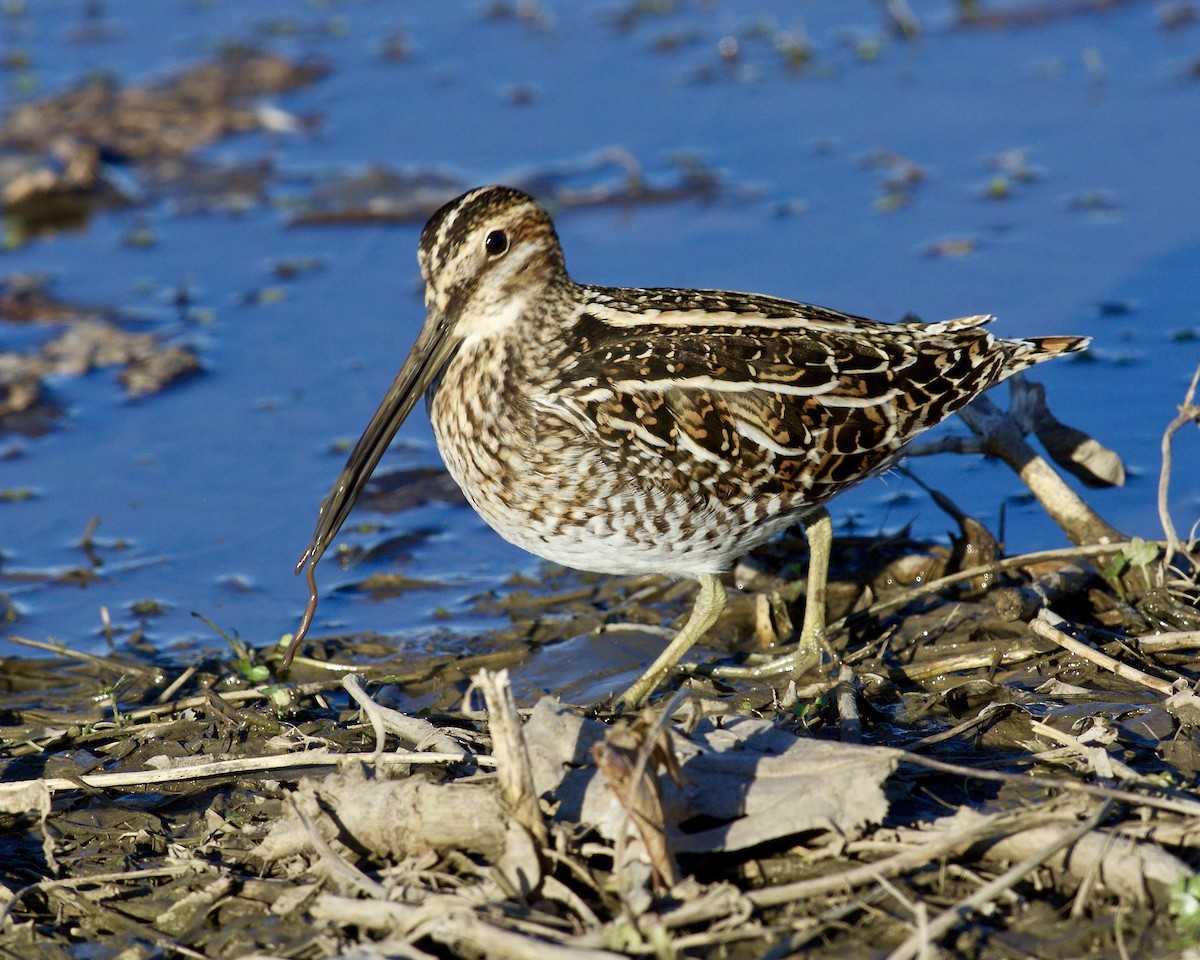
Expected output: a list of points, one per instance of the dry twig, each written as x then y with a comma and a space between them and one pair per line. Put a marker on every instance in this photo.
918, 855
451, 922
946, 921
847, 705
351, 874
1176, 804
415, 730
1003, 438
244, 766
1189, 412
353, 686
511, 753
1046, 626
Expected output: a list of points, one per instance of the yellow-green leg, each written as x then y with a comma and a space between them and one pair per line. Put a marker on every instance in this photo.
813, 644
709, 604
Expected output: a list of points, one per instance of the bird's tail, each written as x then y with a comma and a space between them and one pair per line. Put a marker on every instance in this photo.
1025, 353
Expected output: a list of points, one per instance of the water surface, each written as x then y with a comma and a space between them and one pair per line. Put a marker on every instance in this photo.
207, 492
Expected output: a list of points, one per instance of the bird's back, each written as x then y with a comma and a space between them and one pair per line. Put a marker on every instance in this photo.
755, 399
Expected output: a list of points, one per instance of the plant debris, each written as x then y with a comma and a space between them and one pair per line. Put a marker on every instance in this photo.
90, 340
167, 119
53, 152
975, 771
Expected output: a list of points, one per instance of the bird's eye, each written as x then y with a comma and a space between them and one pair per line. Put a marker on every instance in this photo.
496, 243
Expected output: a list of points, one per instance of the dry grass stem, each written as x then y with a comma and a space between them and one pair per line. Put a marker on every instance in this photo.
243, 767
1168, 642
1003, 438
1046, 627
451, 922
511, 754
1176, 804
422, 734
104, 663
352, 684
911, 857
1189, 412
923, 939
339, 867
847, 705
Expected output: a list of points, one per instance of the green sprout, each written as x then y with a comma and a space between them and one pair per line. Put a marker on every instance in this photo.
243, 655
1185, 905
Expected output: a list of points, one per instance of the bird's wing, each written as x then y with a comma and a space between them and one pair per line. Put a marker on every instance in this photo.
770, 399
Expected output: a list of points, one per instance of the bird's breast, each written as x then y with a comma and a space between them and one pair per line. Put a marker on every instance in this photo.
549, 487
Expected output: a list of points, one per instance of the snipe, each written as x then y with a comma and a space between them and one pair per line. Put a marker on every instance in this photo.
654, 431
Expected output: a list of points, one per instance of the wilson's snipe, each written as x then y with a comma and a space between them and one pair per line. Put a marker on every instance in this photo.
667, 431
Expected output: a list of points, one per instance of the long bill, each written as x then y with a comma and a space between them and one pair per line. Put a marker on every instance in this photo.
431, 351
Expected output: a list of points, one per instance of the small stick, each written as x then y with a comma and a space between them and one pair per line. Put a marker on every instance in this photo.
243, 766
511, 753
995, 655
847, 705
85, 542
1003, 438
1189, 808
452, 922
1188, 413
918, 855
421, 733
176, 685
104, 663
1046, 627
353, 686
329, 856
920, 941
1166, 642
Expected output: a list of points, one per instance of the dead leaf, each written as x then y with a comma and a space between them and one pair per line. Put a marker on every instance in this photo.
763, 782
629, 759
769, 784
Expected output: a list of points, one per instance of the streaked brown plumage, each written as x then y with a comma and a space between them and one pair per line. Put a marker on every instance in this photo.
629, 431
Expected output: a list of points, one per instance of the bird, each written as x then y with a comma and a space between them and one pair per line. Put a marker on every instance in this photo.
671, 431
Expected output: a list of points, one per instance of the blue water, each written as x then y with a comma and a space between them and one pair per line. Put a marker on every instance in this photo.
208, 492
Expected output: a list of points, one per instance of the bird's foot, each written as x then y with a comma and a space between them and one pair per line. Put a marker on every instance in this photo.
808, 655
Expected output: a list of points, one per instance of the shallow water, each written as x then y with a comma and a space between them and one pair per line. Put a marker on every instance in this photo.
207, 492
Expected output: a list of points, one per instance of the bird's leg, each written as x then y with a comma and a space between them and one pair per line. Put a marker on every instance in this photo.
813, 642
709, 604
813, 645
